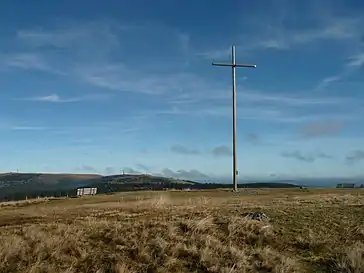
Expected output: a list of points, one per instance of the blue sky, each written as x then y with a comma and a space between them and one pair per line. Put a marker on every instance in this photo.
90, 86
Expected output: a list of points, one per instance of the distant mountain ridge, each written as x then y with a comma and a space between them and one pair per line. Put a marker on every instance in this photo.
21, 185
16, 186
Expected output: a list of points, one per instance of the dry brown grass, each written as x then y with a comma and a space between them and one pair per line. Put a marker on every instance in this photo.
27, 202
314, 231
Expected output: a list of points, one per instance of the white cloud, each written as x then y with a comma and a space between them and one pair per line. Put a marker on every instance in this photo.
74, 35
271, 33
331, 79
25, 61
54, 98
120, 77
257, 105
333, 29
327, 81
274, 33
321, 27
250, 97
286, 99
56, 50
183, 174
356, 61
216, 54
29, 61
86, 48
17, 125
255, 112
184, 92
184, 40
26, 128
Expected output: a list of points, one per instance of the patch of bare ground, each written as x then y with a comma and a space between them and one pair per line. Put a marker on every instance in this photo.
313, 231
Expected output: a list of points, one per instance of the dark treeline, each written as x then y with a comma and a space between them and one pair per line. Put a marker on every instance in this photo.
22, 195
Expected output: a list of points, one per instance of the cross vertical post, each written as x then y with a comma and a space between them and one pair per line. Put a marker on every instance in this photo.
234, 65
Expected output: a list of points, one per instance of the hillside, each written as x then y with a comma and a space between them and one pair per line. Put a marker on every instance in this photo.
17, 186
43, 178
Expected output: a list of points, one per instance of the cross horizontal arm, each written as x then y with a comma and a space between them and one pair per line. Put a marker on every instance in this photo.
235, 65
246, 65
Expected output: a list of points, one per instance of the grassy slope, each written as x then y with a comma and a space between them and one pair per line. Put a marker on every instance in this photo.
198, 231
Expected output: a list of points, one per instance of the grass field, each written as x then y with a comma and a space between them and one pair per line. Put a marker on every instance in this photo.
197, 231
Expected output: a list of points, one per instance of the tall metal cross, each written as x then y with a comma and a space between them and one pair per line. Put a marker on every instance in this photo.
233, 64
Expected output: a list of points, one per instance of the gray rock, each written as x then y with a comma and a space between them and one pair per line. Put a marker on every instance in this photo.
258, 216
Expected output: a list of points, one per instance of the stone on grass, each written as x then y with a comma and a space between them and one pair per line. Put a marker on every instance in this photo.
258, 216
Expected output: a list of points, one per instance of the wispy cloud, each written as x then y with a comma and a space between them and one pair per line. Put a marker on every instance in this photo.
249, 96
215, 54
320, 27
26, 61
298, 155
17, 125
109, 170
84, 50
272, 114
263, 113
287, 99
323, 155
221, 151
252, 138
27, 128
356, 61
90, 37
325, 82
322, 128
352, 64
128, 170
180, 149
119, 77
184, 40
78, 40
88, 168
184, 174
91, 169
142, 167
275, 35
55, 98
258, 105
355, 157
332, 29
29, 61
